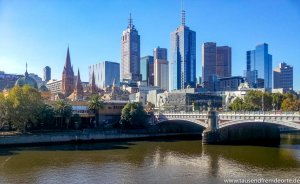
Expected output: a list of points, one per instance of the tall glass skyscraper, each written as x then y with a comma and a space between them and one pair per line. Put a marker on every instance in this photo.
147, 69
130, 53
259, 67
106, 73
183, 57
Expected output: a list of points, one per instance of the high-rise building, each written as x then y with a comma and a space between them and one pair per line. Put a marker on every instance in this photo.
259, 67
223, 62
161, 68
283, 77
47, 74
209, 60
68, 82
130, 53
147, 69
105, 74
216, 61
183, 57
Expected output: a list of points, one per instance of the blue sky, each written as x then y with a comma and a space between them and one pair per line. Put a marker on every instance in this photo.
39, 32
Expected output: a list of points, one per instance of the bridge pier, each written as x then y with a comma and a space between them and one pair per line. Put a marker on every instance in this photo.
211, 135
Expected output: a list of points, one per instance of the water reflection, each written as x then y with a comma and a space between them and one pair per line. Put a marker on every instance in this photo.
148, 162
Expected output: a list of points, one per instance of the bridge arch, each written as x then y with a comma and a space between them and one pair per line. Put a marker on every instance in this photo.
282, 123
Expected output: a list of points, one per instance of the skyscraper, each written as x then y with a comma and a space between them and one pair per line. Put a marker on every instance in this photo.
68, 77
130, 53
47, 74
223, 62
147, 69
259, 67
105, 74
209, 59
183, 56
283, 77
161, 68
216, 61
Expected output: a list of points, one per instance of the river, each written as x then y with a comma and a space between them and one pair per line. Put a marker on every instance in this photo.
157, 161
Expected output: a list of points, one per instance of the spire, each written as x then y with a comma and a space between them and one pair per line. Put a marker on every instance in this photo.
68, 59
182, 14
93, 84
79, 88
78, 78
130, 24
183, 17
26, 73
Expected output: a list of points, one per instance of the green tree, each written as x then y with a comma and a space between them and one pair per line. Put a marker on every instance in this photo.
5, 107
237, 105
133, 116
46, 116
64, 111
277, 99
25, 103
95, 104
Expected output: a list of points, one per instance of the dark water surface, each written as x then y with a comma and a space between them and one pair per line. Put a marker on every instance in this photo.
161, 161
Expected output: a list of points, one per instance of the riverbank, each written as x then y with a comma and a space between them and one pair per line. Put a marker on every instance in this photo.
84, 136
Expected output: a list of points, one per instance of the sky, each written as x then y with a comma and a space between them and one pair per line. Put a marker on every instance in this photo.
39, 31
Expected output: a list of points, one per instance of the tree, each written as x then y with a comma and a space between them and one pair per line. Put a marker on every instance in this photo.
149, 107
237, 105
25, 103
95, 104
290, 103
133, 116
64, 110
277, 100
46, 116
4, 109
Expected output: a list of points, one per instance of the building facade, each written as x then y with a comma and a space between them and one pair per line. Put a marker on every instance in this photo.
183, 57
147, 69
283, 77
54, 86
161, 68
47, 74
105, 74
259, 67
130, 53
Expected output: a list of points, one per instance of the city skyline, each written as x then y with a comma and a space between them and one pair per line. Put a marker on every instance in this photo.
26, 38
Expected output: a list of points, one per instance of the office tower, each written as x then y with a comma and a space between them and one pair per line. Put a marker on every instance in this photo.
183, 57
209, 60
47, 74
147, 70
223, 62
68, 77
283, 77
161, 68
216, 61
130, 53
105, 74
259, 67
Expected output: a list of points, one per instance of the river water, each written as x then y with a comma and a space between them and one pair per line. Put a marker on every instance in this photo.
159, 161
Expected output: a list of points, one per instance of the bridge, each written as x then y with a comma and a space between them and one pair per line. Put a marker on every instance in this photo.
213, 121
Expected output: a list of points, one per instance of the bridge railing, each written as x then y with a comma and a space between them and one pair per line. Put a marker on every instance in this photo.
277, 113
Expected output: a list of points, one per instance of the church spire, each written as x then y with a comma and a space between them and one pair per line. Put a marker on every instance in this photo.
79, 88
68, 60
26, 73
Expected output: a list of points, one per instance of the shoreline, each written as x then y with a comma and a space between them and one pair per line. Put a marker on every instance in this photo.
44, 139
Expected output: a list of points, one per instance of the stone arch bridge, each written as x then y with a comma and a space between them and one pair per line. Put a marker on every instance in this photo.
214, 122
